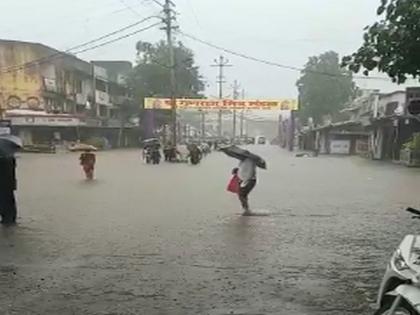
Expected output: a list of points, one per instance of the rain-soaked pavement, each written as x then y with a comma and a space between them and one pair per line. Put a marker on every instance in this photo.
168, 239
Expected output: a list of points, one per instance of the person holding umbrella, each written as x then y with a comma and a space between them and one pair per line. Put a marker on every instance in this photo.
87, 161
8, 146
247, 172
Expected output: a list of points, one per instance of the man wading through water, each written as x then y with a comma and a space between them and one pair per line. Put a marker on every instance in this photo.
247, 180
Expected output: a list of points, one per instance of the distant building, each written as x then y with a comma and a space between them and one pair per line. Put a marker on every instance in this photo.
378, 125
51, 95
114, 85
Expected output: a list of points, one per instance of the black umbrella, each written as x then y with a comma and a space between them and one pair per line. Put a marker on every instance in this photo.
151, 142
9, 145
242, 154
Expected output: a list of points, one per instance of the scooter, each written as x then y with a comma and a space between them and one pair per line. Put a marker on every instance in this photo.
399, 293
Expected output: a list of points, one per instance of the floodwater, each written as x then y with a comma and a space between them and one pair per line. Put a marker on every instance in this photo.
169, 239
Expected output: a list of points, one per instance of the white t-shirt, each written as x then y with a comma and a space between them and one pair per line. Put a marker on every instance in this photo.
247, 171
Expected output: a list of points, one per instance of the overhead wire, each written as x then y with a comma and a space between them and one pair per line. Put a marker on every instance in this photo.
194, 13
71, 50
130, 8
158, 3
118, 38
272, 63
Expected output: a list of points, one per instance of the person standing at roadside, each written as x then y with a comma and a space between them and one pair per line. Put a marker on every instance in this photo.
247, 180
8, 211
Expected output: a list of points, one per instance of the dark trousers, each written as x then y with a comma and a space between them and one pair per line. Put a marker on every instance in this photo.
244, 192
8, 210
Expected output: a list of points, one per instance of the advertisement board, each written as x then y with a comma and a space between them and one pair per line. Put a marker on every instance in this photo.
208, 104
5, 127
48, 121
340, 147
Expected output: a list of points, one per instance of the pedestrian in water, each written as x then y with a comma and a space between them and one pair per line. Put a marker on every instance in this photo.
194, 154
8, 210
156, 156
247, 180
88, 160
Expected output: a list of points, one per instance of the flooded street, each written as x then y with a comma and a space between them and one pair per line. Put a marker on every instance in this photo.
169, 239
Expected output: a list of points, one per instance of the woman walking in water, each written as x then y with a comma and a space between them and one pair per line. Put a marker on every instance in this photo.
247, 174
88, 160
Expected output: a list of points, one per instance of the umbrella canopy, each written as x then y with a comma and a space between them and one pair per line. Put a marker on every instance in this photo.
82, 147
151, 142
9, 145
242, 154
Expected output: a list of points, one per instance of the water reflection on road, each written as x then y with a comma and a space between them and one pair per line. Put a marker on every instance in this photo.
168, 239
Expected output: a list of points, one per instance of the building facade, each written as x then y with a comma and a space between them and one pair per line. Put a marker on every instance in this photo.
378, 125
52, 96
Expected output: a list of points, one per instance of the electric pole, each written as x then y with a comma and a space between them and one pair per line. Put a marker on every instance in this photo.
242, 116
220, 63
203, 124
169, 27
235, 97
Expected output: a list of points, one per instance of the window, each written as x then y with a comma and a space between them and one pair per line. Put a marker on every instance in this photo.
100, 85
78, 86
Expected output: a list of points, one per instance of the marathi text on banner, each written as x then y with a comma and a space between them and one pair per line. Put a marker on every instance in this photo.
181, 103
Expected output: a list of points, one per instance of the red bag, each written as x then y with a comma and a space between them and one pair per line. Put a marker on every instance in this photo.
233, 185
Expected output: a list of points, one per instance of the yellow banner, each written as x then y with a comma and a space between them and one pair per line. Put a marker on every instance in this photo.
181, 103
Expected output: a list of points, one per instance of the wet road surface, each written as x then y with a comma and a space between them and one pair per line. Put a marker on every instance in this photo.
169, 239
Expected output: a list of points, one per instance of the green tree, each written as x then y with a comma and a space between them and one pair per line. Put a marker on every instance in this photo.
151, 76
324, 87
392, 44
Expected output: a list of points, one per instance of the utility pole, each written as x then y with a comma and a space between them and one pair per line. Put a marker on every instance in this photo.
242, 116
167, 10
220, 63
203, 124
235, 97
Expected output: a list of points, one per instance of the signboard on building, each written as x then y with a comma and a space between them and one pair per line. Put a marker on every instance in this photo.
165, 103
48, 121
5, 127
340, 147
100, 73
50, 84
102, 98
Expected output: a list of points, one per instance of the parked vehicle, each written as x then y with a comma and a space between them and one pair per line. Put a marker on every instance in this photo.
399, 293
260, 140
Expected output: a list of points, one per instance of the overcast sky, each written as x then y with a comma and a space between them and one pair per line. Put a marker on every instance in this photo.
283, 31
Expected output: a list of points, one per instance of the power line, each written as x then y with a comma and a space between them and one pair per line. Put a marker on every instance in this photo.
159, 3
70, 50
118, 38
130, 8
194, 13
271, 63
155, 1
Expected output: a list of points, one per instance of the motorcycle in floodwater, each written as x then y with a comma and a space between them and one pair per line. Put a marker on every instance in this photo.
399, 293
